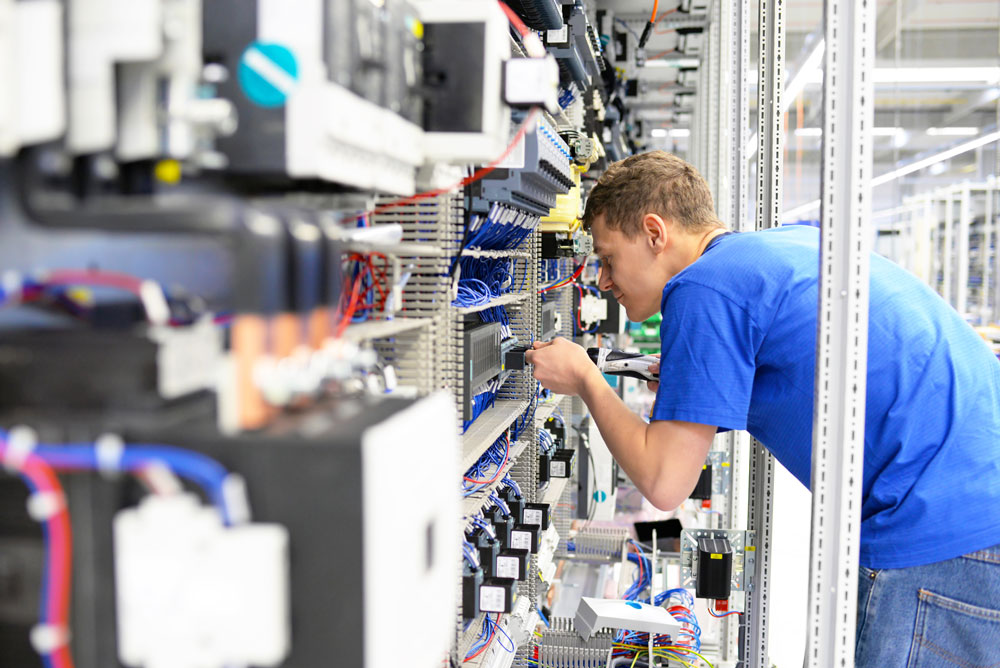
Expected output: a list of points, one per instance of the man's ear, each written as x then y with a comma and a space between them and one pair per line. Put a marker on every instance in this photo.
656, 231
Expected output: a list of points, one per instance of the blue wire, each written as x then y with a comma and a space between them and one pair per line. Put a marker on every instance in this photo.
204, 471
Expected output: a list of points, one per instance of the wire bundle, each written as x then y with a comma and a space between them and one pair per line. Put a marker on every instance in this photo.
482, 280
36, 464
527, 417
482, 401
367, 291
489, 631
493, 461
498, 314
503, 228
564, 281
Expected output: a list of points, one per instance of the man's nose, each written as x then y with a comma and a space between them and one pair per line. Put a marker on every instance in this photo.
604, 279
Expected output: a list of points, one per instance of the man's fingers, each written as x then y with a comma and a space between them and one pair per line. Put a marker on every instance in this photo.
652, 385
540, 344
654, 368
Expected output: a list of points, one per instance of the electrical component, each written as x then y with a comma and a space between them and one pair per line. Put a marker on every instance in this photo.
472, 581
497, 595
594, 614
715, 568
294, 121
703, 489
576, 46
483, 359
532, 184
525, 537
563, 463
532, 82
193, 593
512, 564
465, 46
537, 514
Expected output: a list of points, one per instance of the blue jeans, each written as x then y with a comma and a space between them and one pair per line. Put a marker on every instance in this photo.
939, 615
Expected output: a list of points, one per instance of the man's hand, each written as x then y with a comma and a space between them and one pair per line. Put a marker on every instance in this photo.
561, 366
653, 384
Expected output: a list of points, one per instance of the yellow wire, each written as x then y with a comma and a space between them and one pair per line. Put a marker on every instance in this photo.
637, 655
688, 650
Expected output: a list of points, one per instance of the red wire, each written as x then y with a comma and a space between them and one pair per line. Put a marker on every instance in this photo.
726, 614
475, 176
506, 455
93, 277
515, 20
562, 284
61, 550
493, 632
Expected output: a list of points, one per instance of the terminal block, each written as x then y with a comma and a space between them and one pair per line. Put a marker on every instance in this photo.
533, 188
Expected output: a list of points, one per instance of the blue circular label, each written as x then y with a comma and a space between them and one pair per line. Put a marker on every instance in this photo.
600, 496
633, 604
268, 73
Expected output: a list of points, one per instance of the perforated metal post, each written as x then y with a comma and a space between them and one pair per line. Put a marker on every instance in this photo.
732, 204
842, 333
770, 63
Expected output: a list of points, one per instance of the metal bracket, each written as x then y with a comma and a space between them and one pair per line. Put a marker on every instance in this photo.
744, 555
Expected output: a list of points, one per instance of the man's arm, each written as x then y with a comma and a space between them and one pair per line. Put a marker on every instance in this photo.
663, 458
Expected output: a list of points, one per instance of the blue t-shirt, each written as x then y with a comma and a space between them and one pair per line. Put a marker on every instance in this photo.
739, 351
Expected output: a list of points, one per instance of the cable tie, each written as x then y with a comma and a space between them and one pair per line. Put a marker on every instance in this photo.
108, 451
234, 494
154, 302
21, 442
47, 638
12, 284
43, 506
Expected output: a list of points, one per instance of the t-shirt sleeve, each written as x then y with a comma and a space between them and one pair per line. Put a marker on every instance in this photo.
707, 359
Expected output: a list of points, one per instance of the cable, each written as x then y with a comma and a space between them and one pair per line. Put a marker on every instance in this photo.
647, 31
478, 175
725, 614
48, 497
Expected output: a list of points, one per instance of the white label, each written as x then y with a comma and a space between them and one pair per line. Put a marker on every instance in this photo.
492, 599
520, 540
558, 469
508, 567
533, 516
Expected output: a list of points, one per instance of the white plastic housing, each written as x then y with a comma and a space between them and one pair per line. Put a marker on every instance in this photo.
192, 593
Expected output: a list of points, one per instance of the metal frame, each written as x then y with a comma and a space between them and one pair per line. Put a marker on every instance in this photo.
842, 336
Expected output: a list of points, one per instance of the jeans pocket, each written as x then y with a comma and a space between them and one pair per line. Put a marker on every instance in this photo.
952, 633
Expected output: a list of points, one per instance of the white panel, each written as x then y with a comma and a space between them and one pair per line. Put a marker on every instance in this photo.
138, 132
297, 25
411, 535
39, 59
192, 593
8, 73
103, 32
487, 145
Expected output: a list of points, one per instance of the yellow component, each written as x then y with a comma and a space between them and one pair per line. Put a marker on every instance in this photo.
704, 467
416, 27
565, 216
725, 463
82, 296
716, 556
750, 548
168, 171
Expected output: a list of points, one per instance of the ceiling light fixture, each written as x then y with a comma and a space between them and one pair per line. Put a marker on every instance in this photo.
952, 132
914, 166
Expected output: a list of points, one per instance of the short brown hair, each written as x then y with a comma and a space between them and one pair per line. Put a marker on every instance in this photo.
655, 182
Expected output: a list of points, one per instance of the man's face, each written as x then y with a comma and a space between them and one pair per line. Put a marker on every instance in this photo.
628, 270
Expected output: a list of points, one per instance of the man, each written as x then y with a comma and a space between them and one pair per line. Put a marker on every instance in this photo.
738, 352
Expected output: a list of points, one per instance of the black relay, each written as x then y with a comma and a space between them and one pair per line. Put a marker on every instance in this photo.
715, 568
